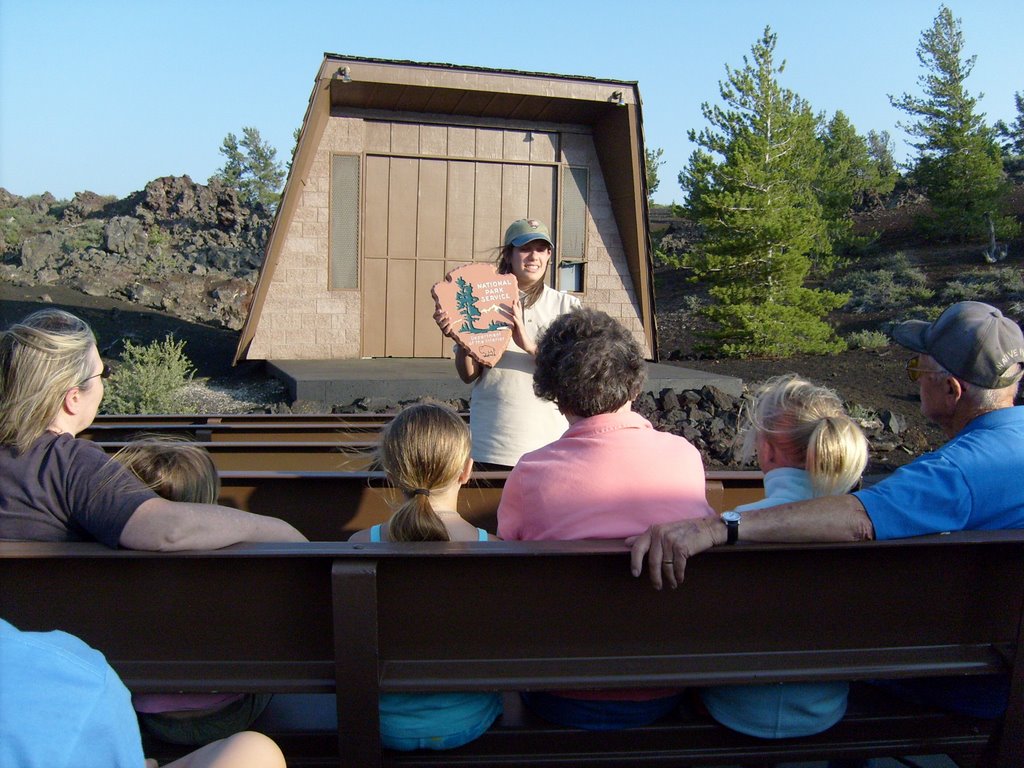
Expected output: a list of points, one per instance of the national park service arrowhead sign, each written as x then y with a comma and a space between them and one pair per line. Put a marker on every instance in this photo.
473, 296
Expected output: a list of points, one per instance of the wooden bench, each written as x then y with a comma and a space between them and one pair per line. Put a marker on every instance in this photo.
237, 426
359, 620
317, 456
331, 506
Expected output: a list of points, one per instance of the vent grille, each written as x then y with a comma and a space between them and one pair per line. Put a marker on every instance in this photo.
344, 245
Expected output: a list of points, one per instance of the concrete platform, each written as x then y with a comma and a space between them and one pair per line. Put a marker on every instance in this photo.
333, 382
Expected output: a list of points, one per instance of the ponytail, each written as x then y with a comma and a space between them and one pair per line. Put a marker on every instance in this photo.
837, 454
416, 520
424, 448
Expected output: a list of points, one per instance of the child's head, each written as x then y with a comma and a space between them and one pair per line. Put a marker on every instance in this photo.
176, 469
808, 425
424, 449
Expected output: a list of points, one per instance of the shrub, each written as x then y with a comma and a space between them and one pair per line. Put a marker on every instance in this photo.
87, 234
17, 224
929, 314
979, 284
897, 284
864, 415
693, 304
150, 379
867, 340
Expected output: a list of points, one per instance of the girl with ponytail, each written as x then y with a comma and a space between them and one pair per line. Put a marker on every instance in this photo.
424, 452
808, 446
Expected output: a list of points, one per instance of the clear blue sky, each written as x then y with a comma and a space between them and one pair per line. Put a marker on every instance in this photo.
107, 95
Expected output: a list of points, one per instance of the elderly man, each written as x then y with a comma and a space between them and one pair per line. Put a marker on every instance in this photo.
968, 368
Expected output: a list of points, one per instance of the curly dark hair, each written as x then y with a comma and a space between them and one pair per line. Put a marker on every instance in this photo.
588, 363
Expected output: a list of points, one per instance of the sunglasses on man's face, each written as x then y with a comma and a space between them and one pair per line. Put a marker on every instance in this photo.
915, 370
104, 374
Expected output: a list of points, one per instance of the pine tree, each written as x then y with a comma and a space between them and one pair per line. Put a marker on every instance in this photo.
652, 162
251, 168
958, 163
1013, 134
880, 150
850, 177
751, 186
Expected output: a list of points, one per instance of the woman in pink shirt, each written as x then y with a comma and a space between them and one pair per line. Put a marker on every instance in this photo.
611, 475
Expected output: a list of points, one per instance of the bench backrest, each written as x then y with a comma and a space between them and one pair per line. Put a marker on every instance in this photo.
362, 619
331, 506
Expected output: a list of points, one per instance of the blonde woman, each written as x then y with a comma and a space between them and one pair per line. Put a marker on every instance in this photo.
425, 453
55, 487
808, 446
506, 418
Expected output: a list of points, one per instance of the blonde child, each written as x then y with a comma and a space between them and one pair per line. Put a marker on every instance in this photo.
180, 470
425, 453
808, 446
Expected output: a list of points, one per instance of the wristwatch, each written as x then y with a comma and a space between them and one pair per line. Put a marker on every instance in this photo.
732, 526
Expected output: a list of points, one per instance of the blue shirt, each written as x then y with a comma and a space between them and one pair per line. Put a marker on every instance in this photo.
62, 706
778, 710
435, 720
972, 483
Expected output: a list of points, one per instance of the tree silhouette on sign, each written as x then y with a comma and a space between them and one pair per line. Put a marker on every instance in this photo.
465, 301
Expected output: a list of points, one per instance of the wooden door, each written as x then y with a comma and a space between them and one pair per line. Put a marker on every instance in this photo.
425, 216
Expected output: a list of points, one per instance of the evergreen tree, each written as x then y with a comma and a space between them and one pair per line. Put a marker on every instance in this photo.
296, 134
958, 163
751, 186
652, 162
850, 177
843, 176
1013, 134
880, 150
251, 167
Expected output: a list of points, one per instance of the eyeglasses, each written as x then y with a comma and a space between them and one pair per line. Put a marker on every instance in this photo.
104, 374
915, 371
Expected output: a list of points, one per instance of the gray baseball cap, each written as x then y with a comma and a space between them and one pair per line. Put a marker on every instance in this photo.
971, 340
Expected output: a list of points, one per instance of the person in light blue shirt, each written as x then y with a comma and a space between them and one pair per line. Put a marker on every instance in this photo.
425, 453
807, 446
63, 706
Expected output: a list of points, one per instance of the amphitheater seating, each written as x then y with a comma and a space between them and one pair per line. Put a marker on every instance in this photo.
359, 620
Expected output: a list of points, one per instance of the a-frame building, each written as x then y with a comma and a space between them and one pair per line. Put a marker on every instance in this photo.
405, 170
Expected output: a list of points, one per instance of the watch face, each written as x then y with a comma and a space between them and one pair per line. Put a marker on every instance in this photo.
731, 517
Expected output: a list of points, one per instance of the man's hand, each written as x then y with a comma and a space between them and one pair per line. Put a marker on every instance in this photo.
669, 545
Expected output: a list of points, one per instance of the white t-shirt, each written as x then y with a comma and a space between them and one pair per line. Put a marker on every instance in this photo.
506, 418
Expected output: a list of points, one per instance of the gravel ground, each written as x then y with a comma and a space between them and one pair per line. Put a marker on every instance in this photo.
250, 395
